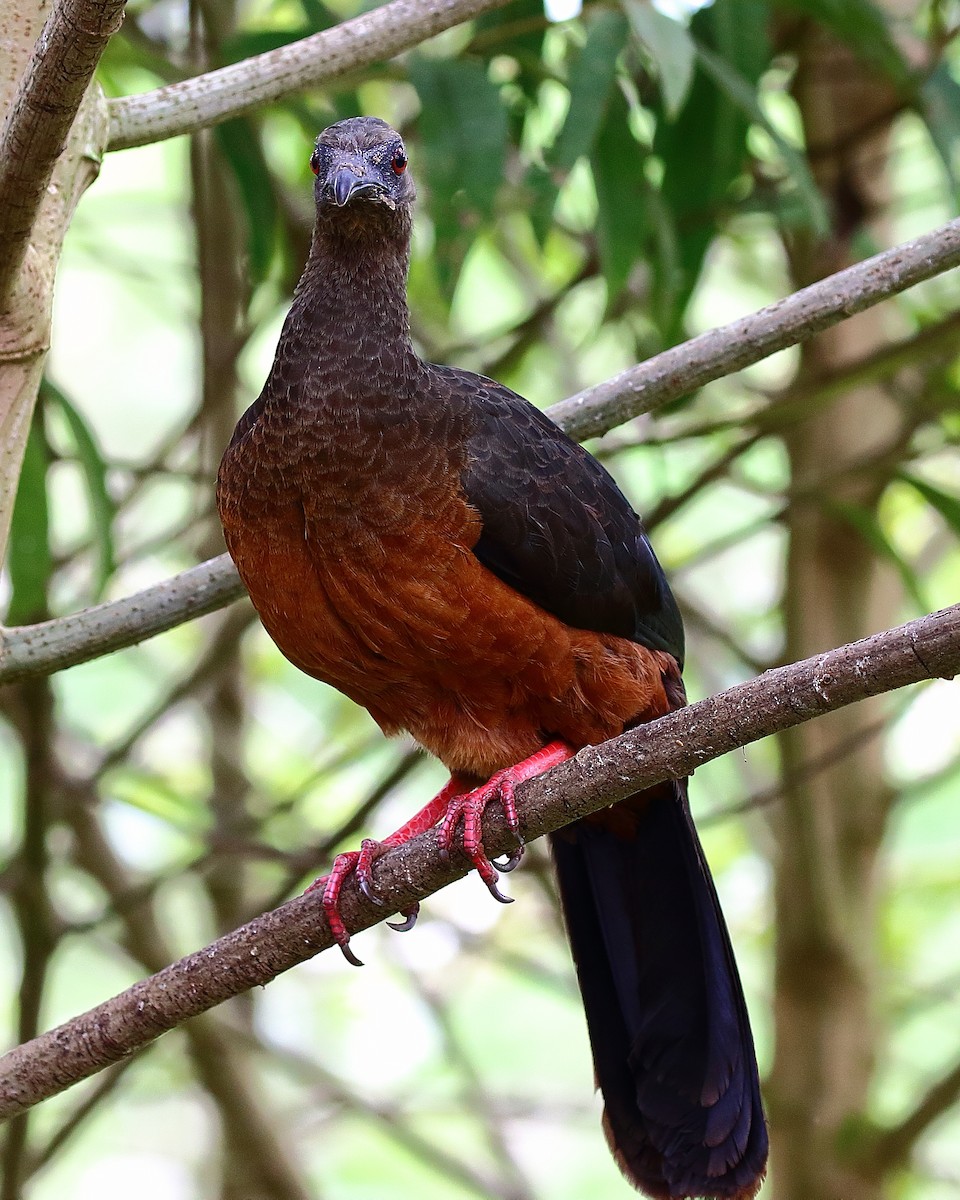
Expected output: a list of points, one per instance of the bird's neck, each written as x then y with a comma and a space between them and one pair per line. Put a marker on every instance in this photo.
350, 306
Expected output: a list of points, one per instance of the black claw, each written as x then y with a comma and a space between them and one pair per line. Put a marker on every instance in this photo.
512, 862
366, 886
349, 955
411, 920
497, 894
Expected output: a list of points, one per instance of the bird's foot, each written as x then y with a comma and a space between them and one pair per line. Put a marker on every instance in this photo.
455, 803
359, 862
469, 808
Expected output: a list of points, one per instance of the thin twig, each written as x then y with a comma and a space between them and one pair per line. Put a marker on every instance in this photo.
66, 641
809, 769
798, 317
262, 1149
672, 746
389, 1120
892, 1147
231, 91
89, 1106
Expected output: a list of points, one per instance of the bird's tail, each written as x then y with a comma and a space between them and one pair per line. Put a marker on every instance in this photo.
671, 1039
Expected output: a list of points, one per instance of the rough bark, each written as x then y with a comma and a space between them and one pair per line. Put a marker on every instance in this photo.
26, 298
38, 122
241, 87
673, 746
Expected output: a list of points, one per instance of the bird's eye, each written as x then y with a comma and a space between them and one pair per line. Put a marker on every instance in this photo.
315, 162
398, 162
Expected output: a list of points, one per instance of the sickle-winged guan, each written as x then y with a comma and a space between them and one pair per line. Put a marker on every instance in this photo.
429, 543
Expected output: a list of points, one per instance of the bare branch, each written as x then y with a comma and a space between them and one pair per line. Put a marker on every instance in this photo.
891, 1148
47, 102
41, 649
66, 641
798, 317
672, 746
230, 91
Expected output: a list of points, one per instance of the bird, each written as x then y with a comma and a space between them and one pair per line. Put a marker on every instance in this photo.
440, 551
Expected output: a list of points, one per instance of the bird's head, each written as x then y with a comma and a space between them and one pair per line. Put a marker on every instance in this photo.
361, 170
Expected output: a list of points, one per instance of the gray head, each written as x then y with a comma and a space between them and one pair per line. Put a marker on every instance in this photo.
361, 168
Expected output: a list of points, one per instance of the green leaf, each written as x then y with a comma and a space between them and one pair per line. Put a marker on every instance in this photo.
94, 468
622, 190
668, 292
464, 127
463, 130
542, 191
30, 560
946, 505
863, 27
741, 93
517, 30
591, 81
865, 521
240, 144
670, 48
704, 152
317, 13
940, 108
251, 42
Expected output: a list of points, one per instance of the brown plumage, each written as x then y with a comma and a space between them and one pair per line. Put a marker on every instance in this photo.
434, 547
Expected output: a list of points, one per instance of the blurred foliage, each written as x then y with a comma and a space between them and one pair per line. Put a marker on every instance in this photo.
592, 191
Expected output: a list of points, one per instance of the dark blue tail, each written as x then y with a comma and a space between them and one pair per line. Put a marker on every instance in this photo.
671, 1039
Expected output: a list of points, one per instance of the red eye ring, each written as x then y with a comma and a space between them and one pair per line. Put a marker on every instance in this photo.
399, 162
315, 162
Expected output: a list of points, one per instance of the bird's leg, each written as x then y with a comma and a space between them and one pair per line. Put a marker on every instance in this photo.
361, 862
454, 803
470, 807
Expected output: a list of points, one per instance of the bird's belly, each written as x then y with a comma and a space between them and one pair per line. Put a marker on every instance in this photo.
410, 625
372, 610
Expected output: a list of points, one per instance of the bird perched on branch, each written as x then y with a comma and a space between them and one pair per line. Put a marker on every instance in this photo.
429, 543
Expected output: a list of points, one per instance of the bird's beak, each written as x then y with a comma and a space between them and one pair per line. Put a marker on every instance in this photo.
349, 180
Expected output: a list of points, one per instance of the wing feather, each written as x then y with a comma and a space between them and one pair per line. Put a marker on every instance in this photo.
555, 525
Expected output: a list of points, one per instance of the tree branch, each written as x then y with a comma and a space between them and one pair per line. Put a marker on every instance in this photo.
230, 91
66, 641
795, 319
891, 1148
601, 775
37, 125
55, 645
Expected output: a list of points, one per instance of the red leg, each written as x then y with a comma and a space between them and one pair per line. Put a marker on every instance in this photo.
361, 861
470, 807
455, 803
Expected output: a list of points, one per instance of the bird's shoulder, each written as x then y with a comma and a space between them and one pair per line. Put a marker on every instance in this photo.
555, 525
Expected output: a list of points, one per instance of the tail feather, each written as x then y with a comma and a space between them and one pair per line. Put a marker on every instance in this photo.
671, 1039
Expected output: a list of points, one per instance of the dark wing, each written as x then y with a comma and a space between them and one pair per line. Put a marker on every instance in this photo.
555, 525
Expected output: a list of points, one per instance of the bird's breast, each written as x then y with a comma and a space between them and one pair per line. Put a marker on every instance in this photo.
358, 556
352, 536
